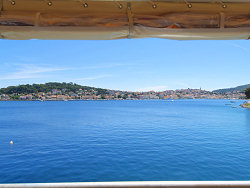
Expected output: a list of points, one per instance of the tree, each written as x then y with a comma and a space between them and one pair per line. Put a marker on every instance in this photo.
35, 88
247, 92
14, 97
125, 96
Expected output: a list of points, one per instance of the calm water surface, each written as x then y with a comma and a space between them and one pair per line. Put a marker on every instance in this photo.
81, 141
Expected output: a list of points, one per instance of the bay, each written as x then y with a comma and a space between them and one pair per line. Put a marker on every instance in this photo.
143, 140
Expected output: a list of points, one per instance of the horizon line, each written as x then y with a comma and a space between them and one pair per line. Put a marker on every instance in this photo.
129, 90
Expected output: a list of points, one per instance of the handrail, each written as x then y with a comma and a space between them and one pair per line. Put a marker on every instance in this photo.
132, 184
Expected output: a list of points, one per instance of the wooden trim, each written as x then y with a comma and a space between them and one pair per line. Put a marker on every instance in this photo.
107, 19
130, 20
110, 33
222, 20
1, 5
174, 20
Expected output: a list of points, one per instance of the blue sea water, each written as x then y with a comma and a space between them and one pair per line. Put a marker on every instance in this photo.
79, 141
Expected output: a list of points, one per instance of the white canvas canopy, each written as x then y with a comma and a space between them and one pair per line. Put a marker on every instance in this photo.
109, 19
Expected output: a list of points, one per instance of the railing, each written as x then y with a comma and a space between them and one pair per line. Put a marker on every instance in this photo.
141, 184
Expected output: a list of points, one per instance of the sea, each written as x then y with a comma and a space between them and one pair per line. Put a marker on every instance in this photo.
137, 140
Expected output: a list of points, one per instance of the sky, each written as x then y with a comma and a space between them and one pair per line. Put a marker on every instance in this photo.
127, 64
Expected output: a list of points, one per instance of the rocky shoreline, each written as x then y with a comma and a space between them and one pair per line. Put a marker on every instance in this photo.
246, 105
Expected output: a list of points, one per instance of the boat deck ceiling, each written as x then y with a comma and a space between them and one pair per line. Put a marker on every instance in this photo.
108, 19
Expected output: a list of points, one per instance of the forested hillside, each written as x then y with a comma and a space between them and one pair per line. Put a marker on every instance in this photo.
47, 87
239, 88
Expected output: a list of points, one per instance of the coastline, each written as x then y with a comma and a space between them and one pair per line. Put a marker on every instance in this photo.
246, 105
126, 99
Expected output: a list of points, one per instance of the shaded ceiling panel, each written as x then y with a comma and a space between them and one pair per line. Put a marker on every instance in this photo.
106, 20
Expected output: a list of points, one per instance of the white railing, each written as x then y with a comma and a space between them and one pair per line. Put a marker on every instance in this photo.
141, 184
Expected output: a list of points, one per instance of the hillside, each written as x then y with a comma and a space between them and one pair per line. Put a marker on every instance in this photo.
239, 88
70, 91
47, 87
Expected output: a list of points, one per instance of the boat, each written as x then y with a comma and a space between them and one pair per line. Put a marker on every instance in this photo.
110, 19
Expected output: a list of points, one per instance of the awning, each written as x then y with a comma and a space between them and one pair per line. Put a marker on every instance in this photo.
109, 19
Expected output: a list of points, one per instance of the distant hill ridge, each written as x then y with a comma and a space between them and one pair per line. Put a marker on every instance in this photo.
241, 88
47, 87
72, 87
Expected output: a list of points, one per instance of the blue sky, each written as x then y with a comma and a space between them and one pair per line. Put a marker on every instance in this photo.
134, 65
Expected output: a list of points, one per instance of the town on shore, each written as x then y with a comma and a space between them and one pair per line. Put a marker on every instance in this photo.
68, 91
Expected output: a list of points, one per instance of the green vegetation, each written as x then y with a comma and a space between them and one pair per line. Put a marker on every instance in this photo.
70, 91
247, 92
47, 87
246, 105
239, 88
14, 97
125, 96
